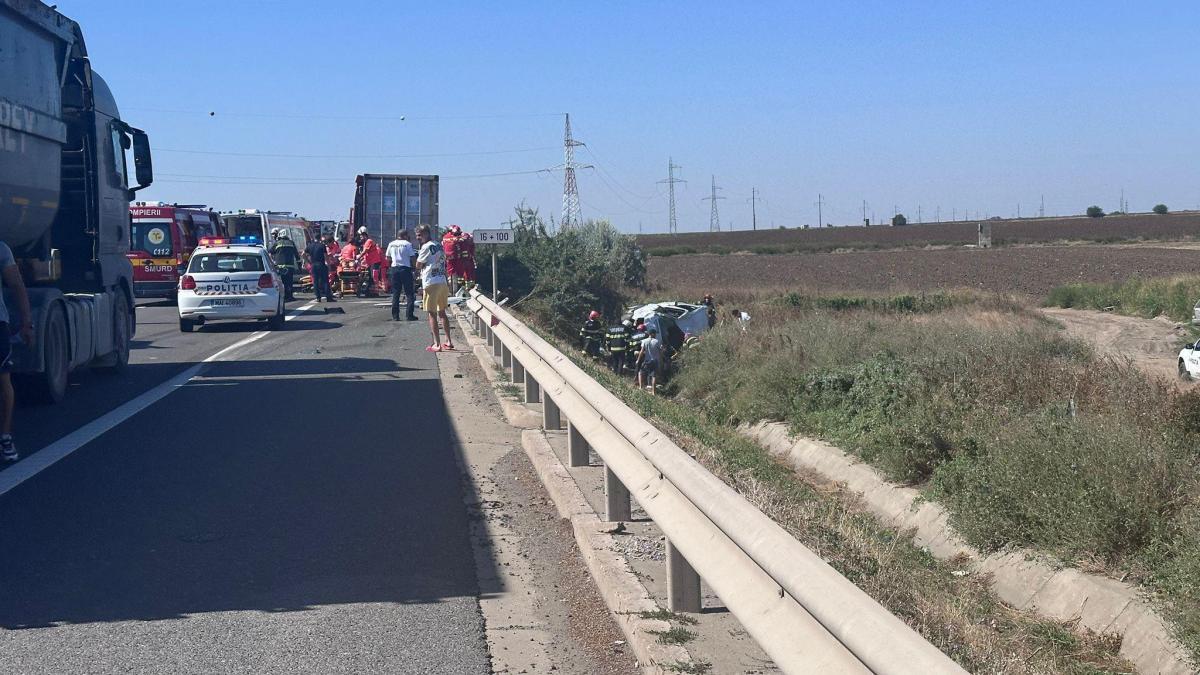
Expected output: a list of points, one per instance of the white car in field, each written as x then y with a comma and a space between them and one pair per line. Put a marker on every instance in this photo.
1189, 361
230, 281
691, 319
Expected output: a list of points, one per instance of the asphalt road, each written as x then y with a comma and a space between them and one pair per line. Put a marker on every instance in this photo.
296, 507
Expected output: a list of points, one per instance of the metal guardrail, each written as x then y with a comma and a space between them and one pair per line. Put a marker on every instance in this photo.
803, 613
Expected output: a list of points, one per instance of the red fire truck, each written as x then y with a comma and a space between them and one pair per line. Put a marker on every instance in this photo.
161, 240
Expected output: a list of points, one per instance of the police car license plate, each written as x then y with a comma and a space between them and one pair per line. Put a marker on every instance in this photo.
228, 302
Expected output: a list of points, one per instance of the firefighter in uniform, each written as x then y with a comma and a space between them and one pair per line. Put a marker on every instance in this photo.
286, 258
592, 335
616, 341
634, 345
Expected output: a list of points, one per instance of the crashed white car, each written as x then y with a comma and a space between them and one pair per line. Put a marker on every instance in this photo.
1189, 361
690, 319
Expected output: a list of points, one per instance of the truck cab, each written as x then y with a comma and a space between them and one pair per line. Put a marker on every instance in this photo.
65, 189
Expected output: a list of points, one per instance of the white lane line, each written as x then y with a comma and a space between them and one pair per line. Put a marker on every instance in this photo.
47, 456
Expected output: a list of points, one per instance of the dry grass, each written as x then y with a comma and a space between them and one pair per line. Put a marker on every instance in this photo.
958, 614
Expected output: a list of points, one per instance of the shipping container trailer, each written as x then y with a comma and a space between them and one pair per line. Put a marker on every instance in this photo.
387, 203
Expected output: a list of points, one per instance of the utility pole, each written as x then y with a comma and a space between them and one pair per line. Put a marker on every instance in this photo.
1018, 210
571, 216
820, 217
672, 224
954, 215
714, 220
1042, 208
866, 223
939, 213
918, 214
753, 209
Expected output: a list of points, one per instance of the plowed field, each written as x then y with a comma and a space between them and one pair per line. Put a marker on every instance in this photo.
1175, 226
1030, 271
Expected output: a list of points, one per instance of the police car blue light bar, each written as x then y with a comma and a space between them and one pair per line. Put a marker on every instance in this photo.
247, 240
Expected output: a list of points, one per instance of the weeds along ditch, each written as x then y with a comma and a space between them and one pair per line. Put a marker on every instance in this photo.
956, 613
1027, 437
1173, 297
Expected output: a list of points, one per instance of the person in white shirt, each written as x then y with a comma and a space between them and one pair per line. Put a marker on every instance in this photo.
741, 317
435, 285
650, 357
399, 255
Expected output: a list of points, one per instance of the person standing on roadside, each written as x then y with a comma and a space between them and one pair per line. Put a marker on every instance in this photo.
400, 274
286, 258
372, 257
315, 255
10, 276
649, 357
431, 261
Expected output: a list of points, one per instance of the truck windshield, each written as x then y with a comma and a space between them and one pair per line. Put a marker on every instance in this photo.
237, 226
152, 238
226, 262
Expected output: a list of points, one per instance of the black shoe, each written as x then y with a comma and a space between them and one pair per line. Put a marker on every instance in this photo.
395, 318
410, 317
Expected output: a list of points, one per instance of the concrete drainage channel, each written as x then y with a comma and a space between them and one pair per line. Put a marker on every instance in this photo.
801, 612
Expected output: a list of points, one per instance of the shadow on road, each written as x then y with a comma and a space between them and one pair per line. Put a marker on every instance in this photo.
305, 483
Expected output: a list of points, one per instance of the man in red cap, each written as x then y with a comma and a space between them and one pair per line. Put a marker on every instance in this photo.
592, 335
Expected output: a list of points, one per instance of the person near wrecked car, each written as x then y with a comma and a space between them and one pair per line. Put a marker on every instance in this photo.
650, 358
10, 276
592, 335
741, 317
431, 262
616, 341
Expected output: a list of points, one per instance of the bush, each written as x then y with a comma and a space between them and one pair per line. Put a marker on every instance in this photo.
1160, 209
1095, 212
560, 278
899, 220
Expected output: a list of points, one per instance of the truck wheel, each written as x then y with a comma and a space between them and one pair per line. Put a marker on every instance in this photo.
50, 385
122, 330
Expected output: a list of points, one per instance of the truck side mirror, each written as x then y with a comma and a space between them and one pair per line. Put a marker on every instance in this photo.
141, 159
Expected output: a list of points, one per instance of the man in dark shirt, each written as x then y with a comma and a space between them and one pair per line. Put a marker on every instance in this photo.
315, 255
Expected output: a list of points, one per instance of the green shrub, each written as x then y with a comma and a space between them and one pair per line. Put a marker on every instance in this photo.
560, 278
1160, 209
1095, 212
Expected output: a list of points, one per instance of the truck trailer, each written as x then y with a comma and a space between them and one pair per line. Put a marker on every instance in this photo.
387, 203
64, 199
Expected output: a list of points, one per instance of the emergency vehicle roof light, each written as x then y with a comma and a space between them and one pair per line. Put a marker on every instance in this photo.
247, 240
213, 241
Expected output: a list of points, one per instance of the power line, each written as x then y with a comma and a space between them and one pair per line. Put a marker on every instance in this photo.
714, 220
403, 156
308, 116
672, 224
265, 180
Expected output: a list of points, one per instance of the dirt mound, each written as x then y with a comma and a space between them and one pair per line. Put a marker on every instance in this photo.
1152, 344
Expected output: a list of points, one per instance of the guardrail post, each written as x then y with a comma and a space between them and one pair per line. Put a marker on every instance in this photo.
616, 498
683, 584
497, 347
490, 334
551, 419
577, 446
518, 374
506, 359
533, 393
475, 324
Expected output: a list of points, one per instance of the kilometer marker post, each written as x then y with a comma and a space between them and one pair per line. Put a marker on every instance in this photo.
496, 238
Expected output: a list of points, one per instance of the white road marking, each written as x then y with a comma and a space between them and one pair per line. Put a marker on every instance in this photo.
47, 456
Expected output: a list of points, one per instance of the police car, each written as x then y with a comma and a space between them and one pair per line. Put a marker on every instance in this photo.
230, 279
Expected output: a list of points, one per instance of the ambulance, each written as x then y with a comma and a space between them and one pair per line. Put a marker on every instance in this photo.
161, 240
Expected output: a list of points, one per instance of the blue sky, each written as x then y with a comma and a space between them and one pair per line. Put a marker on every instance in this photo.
947, 106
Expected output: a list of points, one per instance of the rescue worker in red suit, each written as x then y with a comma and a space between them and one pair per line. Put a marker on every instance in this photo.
466, 258
450, 247
348, 257
372, 257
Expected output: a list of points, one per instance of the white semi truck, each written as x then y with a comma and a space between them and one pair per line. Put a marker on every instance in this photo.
64, 199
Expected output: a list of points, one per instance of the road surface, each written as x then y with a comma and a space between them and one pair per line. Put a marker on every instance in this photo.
294, 507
